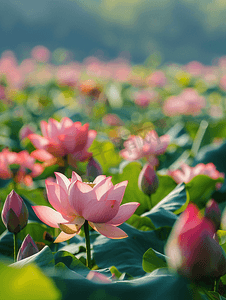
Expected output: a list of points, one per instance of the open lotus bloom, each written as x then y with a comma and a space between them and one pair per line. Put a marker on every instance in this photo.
187, 173
192, 249
150, 147
75, 201
62, 138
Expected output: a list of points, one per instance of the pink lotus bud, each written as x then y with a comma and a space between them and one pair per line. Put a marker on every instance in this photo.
93, 169
148, 180
27, 248
14, 213
213, 213
98, 277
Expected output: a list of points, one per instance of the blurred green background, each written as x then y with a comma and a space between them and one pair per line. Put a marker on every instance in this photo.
177, 30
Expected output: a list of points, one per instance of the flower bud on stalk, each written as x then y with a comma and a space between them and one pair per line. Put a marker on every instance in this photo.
148, 180
27, 248
93, 169
213, 213
14, 213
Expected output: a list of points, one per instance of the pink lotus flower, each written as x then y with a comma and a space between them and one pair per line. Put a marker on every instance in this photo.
76, 201
157, 78
26, 168
28, 248
144, 97
151, 146
40, 53
191, 248
189, 102
14, 213
62, 138
112, 120
187, 173
6, 159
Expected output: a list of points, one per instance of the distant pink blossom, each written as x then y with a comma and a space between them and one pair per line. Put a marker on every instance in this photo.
189, 102
75, 201
144, 97
187, 173
24, 161
157, 78
62, 138
40, 53
2, 92
195, 68
68, 75
191, 248
112, 120
150, 147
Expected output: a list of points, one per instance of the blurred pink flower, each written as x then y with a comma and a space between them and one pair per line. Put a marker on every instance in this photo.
76, 201
68, 75
191, 248
195, 68
144, 97
63, 138
28, 248
2, 92
14, 213
26, 167
157, 78
6, 159
40, 53
189, 102
187, 173
112, 120
150, 147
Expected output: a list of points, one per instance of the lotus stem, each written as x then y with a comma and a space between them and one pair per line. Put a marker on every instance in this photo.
216, 285
88, 252
15, 246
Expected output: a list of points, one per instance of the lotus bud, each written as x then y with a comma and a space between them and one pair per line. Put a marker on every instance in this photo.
93, 169
27, 248
148, 180
14, 213
213, 213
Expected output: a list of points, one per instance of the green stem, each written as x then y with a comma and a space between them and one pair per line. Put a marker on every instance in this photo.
15, 246
151, 202
216, 285
88, 252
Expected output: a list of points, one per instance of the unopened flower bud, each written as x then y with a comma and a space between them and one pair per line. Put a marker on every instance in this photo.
27, 248
148, 180
213, 213
93, 169
14, 213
